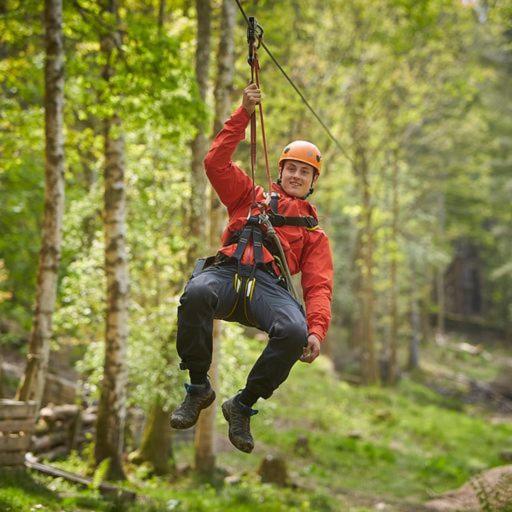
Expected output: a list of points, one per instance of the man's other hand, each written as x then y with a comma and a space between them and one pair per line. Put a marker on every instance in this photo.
251, 98
312, 351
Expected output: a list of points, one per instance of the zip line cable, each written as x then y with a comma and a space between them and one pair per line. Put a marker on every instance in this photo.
297, 90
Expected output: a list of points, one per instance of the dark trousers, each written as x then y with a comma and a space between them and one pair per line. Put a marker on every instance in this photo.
211, 294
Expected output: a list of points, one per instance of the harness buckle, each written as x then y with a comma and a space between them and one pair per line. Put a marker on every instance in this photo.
311, 222
253, 220
237, 282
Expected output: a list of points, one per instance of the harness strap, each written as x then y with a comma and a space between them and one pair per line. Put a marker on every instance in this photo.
257, 237
243, 240
309, 222
244, 235
274, 202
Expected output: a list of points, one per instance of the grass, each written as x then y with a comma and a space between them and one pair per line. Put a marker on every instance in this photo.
366, 445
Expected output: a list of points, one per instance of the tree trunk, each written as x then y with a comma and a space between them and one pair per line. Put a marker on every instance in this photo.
204, 440
156, 446
225, 75
414, 347
414, 344
156, 440
205, 430
1, 374
357, 97
424, 302
369, 368
32, 384
161, 16
198, 204
440, 272
353, 321
393, 345
112, 406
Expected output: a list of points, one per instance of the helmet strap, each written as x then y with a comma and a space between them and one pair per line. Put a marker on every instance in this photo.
311, 189
279, 180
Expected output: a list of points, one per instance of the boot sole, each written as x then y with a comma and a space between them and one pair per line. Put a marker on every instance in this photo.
181, 426
225, 413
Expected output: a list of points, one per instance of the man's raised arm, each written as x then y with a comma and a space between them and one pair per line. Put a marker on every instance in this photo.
229, 181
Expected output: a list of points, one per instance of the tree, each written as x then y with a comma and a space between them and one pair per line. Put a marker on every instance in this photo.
112, 407
199, 146
204, 456
205, 429
32, 385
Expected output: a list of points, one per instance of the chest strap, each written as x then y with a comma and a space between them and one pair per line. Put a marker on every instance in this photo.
278, 220
281, 220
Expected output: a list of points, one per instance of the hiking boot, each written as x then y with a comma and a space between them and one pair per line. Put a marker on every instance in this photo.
199, 397
238, 417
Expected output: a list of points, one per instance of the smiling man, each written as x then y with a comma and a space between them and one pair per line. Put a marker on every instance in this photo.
244, 282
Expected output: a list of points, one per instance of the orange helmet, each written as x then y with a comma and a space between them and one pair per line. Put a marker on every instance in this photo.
302, 151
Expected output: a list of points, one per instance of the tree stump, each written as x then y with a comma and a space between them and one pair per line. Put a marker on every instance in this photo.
302, 447
273, 470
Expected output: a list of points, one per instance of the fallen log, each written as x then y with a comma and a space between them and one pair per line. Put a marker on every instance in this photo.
89, 418
56, 453
52, 414
105, 488
44, 443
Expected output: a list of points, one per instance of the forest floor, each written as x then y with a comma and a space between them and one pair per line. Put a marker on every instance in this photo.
347, 448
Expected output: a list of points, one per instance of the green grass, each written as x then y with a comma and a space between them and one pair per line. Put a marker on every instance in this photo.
22, 491
367, 444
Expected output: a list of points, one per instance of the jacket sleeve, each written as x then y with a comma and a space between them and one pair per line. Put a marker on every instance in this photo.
229, 181
317, 282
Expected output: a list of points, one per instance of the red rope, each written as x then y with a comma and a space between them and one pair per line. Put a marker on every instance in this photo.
255, 78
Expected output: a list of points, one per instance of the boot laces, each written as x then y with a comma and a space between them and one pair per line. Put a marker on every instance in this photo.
241, 423
193, 396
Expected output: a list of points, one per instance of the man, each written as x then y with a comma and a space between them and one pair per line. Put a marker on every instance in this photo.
227, 290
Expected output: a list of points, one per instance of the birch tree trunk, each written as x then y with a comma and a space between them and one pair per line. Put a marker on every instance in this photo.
112, 407
32, 384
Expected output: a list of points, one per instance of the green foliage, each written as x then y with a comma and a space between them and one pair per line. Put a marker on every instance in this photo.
100, 474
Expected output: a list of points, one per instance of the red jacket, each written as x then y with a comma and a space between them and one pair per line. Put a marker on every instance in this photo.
306, 251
